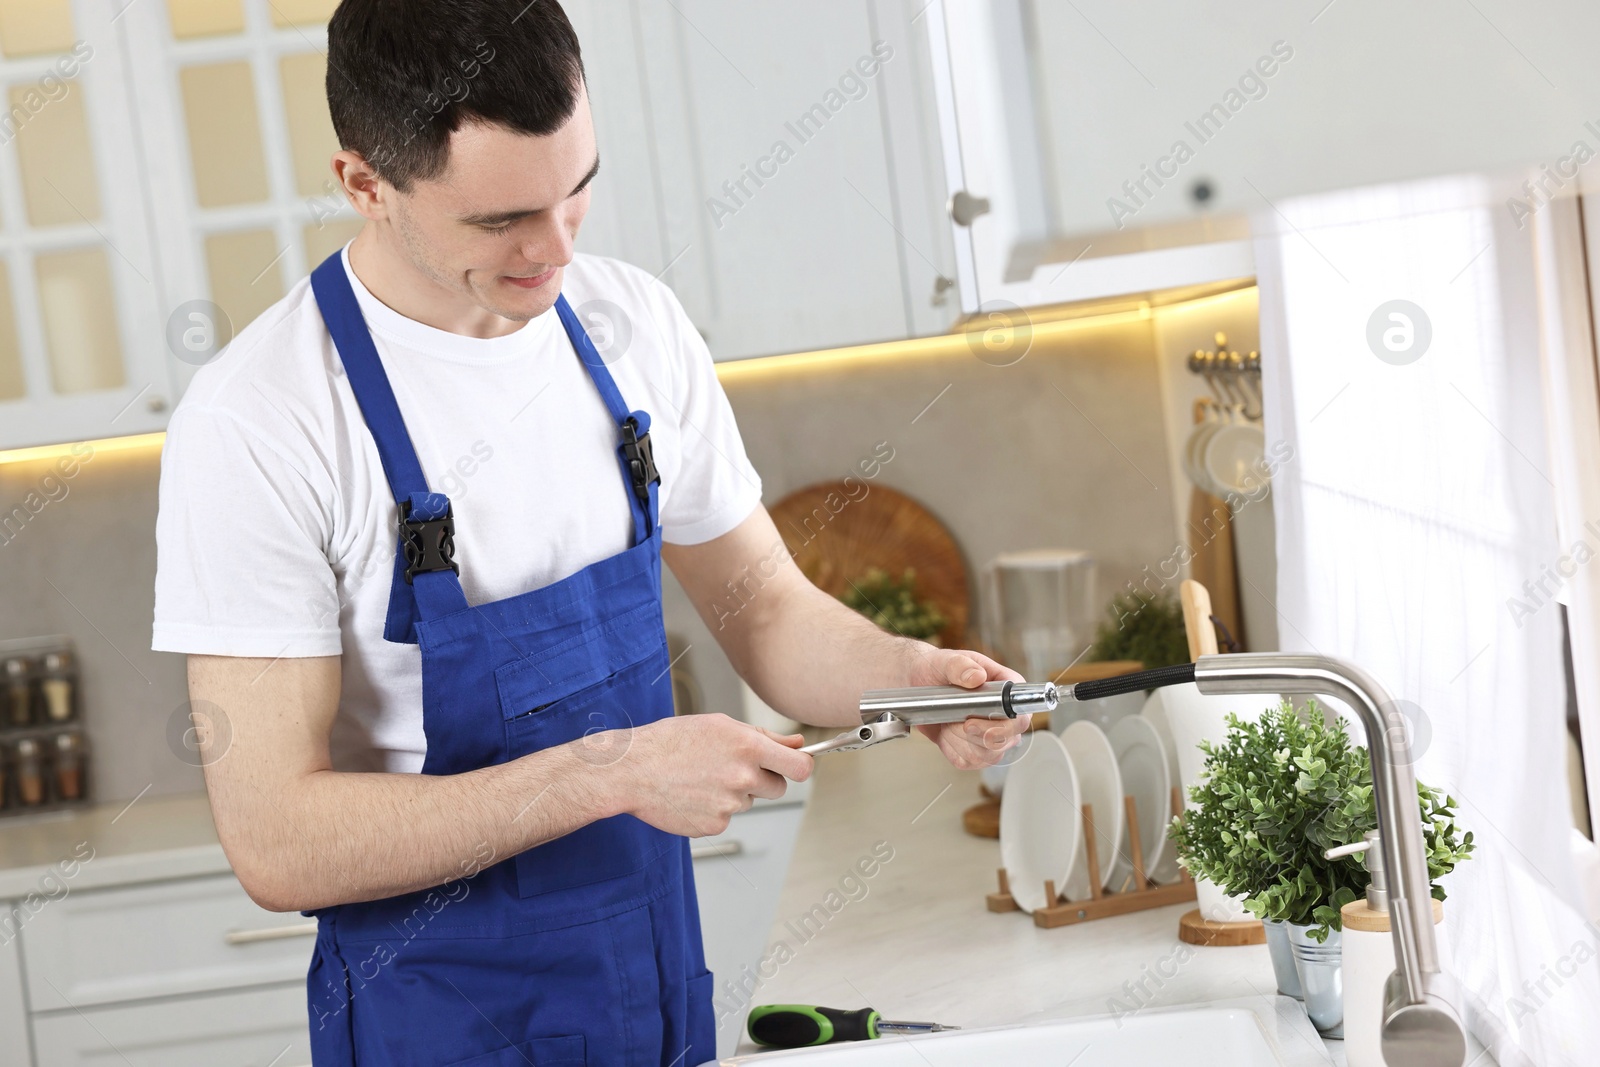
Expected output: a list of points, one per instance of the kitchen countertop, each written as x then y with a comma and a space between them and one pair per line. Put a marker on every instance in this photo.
915, 940
149, 839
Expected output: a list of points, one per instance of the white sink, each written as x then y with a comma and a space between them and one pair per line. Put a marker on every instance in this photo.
1269, 1032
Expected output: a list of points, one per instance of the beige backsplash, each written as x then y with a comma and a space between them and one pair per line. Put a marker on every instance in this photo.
1066, 448
1069, 447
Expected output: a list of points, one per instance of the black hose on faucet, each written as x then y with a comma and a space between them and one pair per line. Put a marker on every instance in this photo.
1157, 678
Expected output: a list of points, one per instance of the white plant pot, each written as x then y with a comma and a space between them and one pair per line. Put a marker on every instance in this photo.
1193, 717
1217, 906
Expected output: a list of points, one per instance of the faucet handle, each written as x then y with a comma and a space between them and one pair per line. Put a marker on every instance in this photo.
1347, 850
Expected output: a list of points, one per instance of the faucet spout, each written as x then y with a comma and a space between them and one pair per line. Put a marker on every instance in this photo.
1420, 1027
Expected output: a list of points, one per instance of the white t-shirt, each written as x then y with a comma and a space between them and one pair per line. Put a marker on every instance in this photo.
276, 532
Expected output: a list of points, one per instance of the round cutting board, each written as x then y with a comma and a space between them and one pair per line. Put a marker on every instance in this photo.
837, 531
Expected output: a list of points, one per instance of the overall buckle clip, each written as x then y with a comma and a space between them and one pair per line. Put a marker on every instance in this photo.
429, 544
640, 454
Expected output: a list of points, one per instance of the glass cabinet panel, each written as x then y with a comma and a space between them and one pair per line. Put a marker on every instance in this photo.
12, 383
75, 299
286, 13
205, 18
59, 180
35, 27
244, 276
219, 103
312, 141
327, 238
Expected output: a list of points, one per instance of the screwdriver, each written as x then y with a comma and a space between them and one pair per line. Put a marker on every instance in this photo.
800, 1025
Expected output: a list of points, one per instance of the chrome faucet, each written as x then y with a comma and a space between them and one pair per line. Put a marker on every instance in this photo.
1420, 1027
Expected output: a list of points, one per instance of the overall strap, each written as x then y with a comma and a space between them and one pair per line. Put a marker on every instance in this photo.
635, 453
426, 578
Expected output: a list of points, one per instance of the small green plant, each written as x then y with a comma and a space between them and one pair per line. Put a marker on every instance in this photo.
1277, 792
892, 603
1142, 627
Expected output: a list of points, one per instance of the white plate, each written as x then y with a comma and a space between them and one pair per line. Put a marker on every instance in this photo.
1232, 458
1143, 765
1194, 450
1165, 870
1040, 838
1100, 784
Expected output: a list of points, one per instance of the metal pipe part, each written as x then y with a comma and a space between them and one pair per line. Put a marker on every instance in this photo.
930, 705
1420, 1028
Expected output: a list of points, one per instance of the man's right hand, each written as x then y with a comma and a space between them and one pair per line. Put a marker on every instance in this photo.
690, 774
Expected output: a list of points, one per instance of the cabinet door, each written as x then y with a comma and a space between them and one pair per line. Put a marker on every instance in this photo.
102, 946
739, 876
926, 247
234, 118
1010, 251
80, 329
624, 219
774, 172
264, 1027
15, 1051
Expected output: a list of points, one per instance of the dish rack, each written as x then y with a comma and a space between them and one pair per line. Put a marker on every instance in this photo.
1103, 903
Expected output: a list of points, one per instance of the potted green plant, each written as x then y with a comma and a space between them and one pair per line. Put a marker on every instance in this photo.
1274, 795
1142, 627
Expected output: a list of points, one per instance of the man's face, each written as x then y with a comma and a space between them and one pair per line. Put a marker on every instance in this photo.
498, 225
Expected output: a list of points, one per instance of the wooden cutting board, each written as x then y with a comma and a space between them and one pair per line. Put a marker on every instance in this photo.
838, 531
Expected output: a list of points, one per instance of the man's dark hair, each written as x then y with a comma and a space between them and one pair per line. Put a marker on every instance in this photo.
405, 74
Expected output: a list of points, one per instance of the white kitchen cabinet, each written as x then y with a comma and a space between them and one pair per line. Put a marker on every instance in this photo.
1010, 249
259, 1028
778, 165
739, 877
172, 973
233, 117
80, 320
194, 935
1093, 128
15, 1048
625, 212
791, 200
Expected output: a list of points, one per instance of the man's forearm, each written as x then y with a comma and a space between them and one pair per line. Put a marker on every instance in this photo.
810, 657
330, 837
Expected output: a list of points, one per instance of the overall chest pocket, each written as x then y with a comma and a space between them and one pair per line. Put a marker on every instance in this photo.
612, 677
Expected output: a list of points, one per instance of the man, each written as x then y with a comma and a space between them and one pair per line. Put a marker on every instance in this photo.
526, 897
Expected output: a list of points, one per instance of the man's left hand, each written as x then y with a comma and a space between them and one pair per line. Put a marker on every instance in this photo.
972, 743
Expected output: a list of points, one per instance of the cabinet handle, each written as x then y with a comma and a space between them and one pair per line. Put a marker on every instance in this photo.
715, 851
271, 933
965, 209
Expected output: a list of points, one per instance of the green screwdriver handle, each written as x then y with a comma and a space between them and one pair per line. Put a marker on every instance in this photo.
801, 1025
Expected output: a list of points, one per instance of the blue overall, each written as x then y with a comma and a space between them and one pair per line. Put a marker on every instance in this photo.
584, 950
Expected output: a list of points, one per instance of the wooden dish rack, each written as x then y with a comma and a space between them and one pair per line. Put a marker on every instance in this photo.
1102, 903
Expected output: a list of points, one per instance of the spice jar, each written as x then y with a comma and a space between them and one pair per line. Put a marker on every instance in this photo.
69, 766
57, 684
30, 772
19, 705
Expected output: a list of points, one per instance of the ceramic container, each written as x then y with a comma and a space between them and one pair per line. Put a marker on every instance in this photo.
1193, 717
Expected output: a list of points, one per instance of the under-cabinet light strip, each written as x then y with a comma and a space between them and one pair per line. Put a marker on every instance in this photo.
938, 345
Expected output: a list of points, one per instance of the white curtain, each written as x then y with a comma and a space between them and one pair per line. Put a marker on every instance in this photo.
1414, 519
